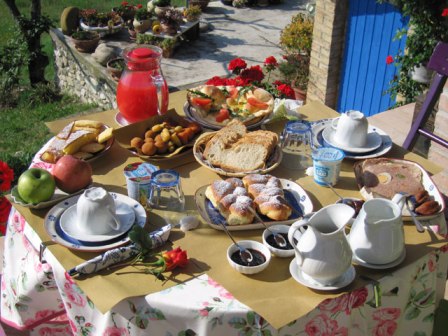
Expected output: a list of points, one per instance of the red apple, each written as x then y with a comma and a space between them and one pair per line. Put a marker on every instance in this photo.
72, 174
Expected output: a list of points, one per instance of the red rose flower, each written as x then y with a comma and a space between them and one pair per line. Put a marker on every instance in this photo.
270, 61
6, 176
139, 6
445, 12
236, 65
252, 74
389, 59
175, 258
5, 207
124, 3
286, 91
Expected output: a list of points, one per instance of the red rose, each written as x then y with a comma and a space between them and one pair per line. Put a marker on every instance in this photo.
445, 12
175, 258
139, 6
270, 61
387, 314
5, 208
236, 65
356, 299
385, 328
389, 59
6, 176
124, 3
252, 74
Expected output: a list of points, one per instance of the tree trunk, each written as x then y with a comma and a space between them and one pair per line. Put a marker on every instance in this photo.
38, 60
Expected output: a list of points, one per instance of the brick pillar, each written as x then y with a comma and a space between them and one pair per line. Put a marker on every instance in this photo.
327, 51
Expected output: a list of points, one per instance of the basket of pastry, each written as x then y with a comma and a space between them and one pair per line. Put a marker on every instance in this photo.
385, 177
84, 139
231, 202
233, 151
215, 106
159, 138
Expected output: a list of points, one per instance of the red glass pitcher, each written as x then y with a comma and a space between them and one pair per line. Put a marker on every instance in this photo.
142, 90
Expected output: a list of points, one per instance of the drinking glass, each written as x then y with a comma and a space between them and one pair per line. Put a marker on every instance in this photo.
296, 145
165, 192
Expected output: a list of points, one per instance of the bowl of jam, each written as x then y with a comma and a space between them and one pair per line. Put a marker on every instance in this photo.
355, 203
272, 245
260, 260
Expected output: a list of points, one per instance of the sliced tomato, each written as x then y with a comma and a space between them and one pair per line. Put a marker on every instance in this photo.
257, 103
222, 115
233, 92
200, 101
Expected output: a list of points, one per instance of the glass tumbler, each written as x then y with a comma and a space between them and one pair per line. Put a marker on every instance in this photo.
296, 145
165, 191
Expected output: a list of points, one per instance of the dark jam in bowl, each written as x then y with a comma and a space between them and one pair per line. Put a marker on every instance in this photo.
271, 241
258, 258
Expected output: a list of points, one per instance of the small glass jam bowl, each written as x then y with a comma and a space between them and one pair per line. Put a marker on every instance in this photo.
259, 252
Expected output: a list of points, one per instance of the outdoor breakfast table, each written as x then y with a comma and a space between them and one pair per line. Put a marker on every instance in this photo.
208, 297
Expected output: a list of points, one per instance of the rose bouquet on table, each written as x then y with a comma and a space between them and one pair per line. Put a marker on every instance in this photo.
254, 76
6, 177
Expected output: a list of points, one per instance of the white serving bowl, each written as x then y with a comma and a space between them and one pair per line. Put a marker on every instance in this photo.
279, 228
249, 244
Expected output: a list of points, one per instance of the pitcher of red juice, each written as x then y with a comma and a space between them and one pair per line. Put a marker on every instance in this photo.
142, 90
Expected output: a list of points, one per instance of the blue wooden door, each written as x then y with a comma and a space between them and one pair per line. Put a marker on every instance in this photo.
365, 76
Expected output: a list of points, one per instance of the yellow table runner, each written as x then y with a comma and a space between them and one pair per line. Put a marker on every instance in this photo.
207, 247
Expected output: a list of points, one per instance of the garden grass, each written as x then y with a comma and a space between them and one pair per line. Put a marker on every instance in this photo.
22, 129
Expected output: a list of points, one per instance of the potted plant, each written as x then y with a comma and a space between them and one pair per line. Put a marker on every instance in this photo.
142, 19
102, 23
85, 41
115, 67
192, 13
161, 6
167, 45
170, 20
125, 10
201, 3
296, 40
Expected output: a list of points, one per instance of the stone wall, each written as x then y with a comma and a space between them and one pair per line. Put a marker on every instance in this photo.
78, 74
327, 51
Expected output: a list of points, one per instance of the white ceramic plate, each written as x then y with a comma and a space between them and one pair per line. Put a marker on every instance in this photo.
53, 226
373, 141
124, 212
305, 280
191, 113
318, 141
394, 263
57, 197
294, 194
427, 183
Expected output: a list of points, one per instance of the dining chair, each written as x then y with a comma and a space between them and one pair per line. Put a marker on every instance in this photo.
439, 63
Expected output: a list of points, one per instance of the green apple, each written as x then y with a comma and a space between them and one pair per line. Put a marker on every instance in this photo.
36, 185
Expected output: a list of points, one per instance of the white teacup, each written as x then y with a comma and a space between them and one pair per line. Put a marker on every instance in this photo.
95, 212
350, 129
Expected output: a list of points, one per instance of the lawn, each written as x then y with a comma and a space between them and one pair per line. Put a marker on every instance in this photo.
22, 128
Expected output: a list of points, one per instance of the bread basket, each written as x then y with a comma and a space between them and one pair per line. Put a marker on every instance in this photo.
272, 162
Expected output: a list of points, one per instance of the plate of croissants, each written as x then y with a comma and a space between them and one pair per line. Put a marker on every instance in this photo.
231, 202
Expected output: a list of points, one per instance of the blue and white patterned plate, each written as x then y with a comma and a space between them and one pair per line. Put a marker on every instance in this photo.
53, 226
294, 195
318, 141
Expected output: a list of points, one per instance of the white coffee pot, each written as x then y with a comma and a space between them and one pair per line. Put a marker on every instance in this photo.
322, 250
377, 234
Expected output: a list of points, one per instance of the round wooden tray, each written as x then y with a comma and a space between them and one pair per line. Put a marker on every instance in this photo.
272, 162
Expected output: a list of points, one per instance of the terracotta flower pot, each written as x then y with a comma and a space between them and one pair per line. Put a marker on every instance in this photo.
299, 94
201, 3
87, 46
113, 70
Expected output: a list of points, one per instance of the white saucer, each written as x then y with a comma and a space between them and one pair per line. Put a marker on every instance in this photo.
305, 280
125, 214
120, 120
394, 263
52, 226
373, 141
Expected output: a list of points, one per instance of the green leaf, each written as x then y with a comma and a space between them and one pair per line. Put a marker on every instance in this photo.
429, 318
155, 314
24, 298
266, 332
250, 318
419, 333
142, 323
412, 313
237, 322
425, 297
91, 304
39, 288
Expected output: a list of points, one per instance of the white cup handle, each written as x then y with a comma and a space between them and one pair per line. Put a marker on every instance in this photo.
114, 222
333, 125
